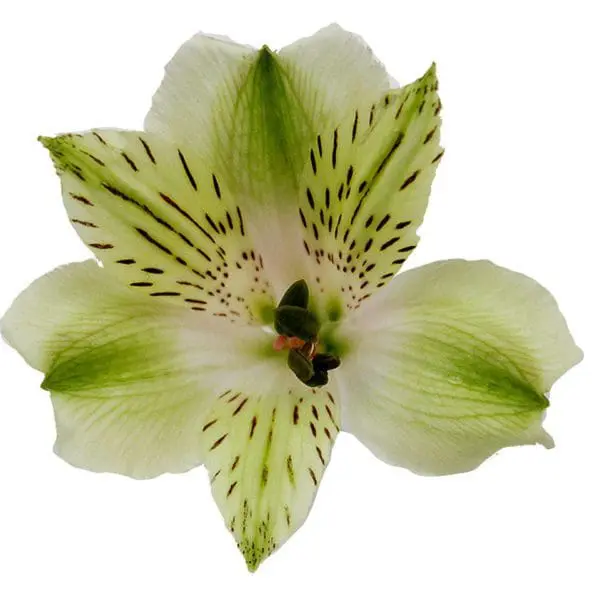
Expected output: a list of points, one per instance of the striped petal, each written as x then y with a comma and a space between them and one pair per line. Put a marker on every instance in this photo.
365, 191
161, 222
451, 363
266, 453
131, 380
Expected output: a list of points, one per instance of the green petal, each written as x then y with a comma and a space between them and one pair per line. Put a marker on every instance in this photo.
266, 454
452, 363
161, 222
365, 191
129, 378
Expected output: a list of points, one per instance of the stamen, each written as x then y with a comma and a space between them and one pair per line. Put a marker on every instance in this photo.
298, 329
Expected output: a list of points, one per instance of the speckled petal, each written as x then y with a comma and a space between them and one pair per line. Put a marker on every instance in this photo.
266, 453
365, 190
161, 222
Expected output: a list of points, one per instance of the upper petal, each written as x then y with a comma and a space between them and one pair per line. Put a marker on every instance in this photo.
333, 72
451, 363
131, 380
162, 222
203, 77
254, 113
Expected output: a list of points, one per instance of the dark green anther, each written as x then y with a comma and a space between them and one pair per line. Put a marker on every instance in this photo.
300, 365
325, 362
296, 295
293, 321
319, 379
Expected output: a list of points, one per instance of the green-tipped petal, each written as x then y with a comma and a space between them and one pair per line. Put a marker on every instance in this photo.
161, 222
451, 363
365, 191
130, 379
266, 454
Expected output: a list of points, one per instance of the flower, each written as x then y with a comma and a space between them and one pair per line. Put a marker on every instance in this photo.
237, 319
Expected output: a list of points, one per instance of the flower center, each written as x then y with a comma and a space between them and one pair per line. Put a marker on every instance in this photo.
298, 329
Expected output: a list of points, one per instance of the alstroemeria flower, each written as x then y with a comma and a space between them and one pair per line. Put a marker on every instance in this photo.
245, 307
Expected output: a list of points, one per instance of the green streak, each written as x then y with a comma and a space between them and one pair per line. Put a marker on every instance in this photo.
275, 128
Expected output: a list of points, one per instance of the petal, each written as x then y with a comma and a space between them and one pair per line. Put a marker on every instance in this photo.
236, 105
331, 71
452, 363
161, 222
266, 453
203, 76
365, 191
130, 379
254, 113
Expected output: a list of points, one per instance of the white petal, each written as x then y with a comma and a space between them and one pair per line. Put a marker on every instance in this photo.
334, 72
204, 74
131, 380
451, 363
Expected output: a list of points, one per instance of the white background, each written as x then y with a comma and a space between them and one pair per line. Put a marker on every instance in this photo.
518, 185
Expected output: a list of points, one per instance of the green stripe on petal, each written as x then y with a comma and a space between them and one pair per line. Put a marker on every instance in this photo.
459, 358
130, 379
255, 113
266, 455
264, 151
162, 222
365, 191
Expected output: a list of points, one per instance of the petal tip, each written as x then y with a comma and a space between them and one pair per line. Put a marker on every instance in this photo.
430, 76
546, 440
254, 554
50, 143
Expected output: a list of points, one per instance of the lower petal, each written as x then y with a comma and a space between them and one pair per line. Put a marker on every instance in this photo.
266, 453
131, 380
452, 363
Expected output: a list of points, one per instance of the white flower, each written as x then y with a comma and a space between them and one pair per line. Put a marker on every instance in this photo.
300, 173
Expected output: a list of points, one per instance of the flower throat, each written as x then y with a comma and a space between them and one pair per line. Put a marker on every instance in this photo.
298, 332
